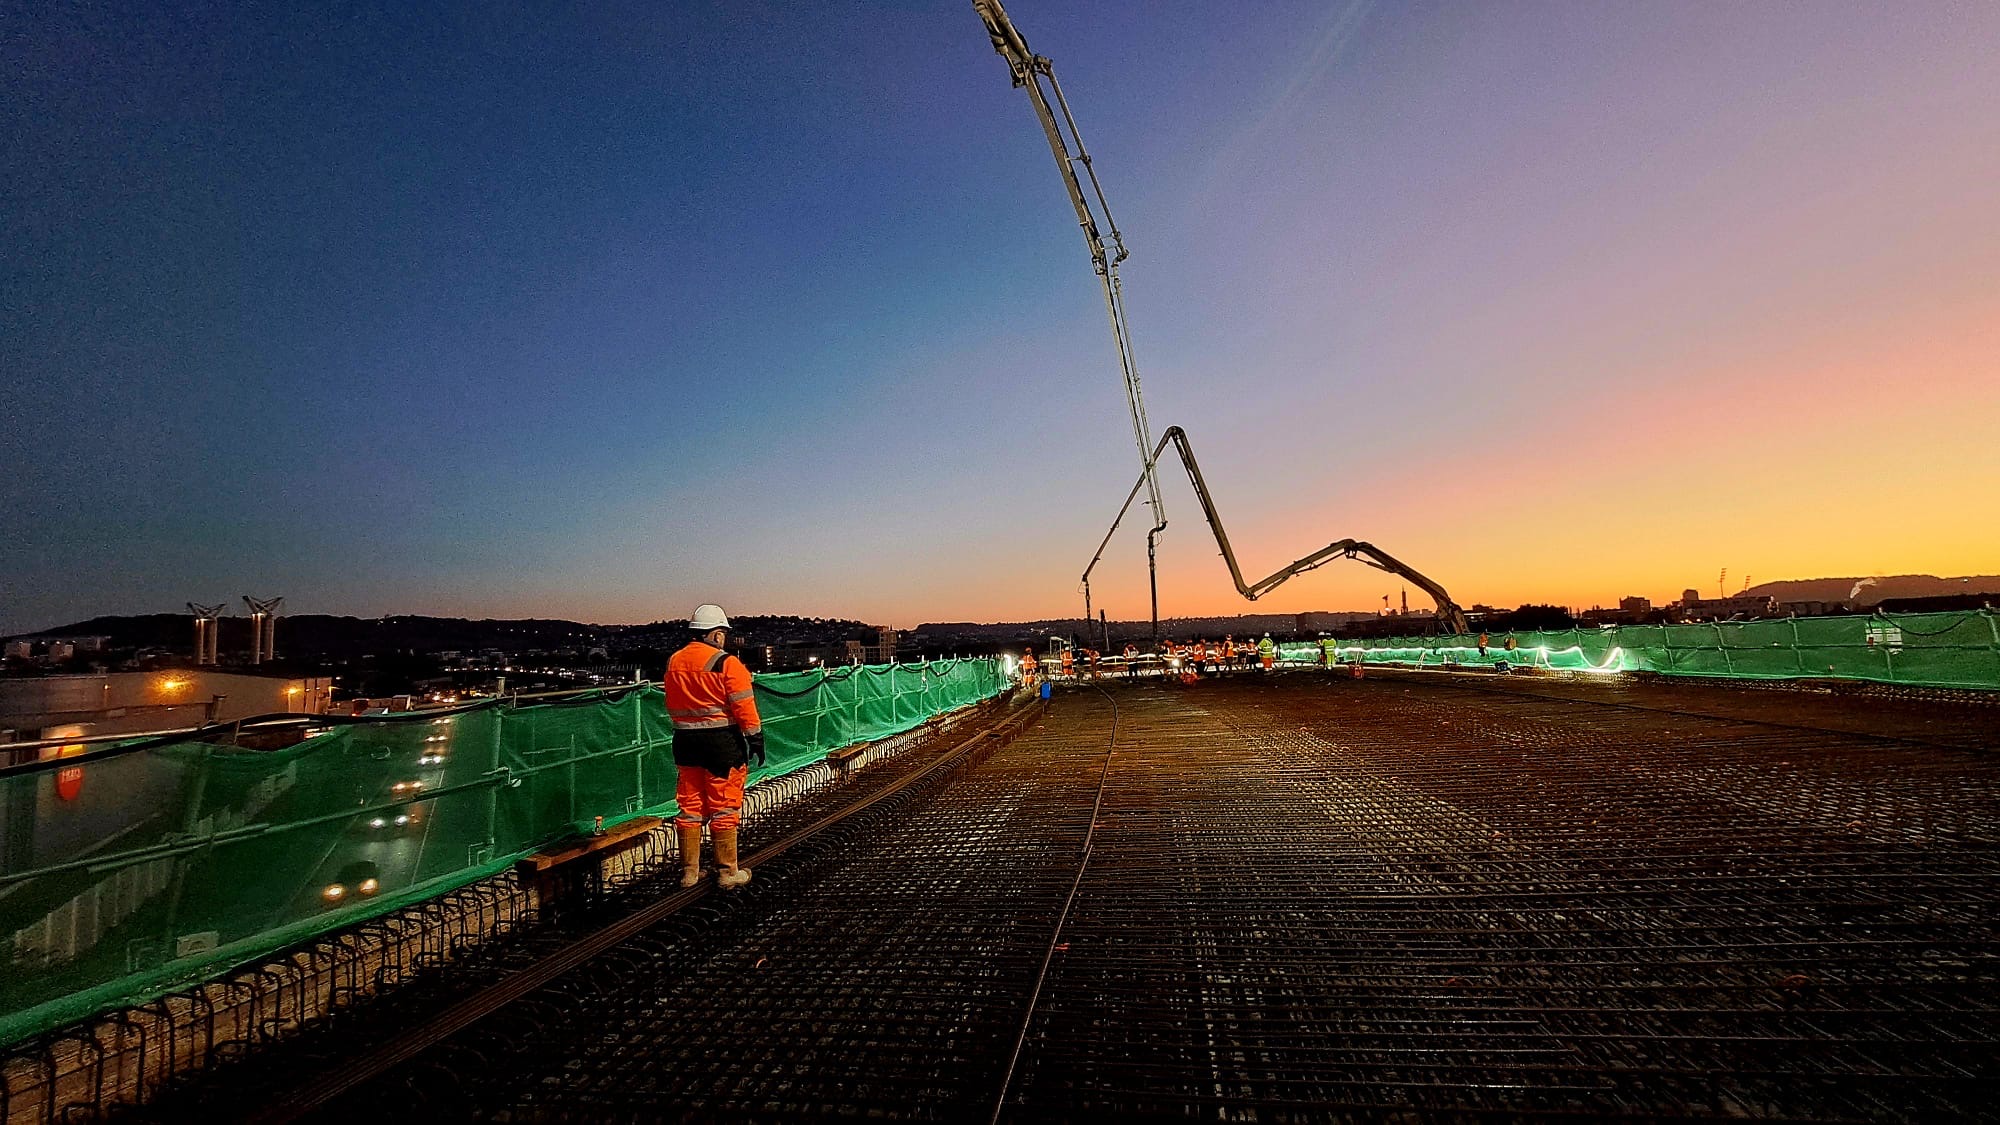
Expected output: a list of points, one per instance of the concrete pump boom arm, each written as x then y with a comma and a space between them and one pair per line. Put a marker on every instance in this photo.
1447, 610
1029, 70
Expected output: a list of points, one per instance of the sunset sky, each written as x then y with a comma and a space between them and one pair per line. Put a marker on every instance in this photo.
494, 313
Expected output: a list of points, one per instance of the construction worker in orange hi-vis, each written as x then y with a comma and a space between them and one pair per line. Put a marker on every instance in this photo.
1229, 650
717, 736
1482, 644
1028, 668
1068, 665
1200, 655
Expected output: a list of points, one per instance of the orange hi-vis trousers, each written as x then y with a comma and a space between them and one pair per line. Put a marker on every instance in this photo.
707, 799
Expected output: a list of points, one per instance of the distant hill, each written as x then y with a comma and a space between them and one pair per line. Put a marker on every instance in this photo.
321, 634
316, 636
1076, 626
1865, 592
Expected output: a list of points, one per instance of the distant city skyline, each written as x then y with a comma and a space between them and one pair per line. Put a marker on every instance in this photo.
600, 315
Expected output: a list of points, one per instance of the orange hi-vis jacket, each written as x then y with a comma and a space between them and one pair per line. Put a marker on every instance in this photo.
711, 703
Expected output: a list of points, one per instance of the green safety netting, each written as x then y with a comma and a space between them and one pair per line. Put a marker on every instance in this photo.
137, 869
1959, 649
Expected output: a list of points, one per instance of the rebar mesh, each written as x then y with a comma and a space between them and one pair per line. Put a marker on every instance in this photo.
1310, 899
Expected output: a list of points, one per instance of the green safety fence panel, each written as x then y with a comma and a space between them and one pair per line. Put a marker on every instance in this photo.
1956, 649
128, 874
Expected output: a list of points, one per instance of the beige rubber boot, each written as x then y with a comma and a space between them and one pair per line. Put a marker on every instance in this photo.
728, 876
690, 841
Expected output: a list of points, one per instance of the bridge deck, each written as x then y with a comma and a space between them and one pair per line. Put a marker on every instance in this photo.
1302, 894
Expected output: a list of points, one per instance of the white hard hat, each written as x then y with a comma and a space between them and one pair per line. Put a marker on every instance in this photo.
707, 616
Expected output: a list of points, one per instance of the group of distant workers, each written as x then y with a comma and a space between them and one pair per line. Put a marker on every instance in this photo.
1187, 661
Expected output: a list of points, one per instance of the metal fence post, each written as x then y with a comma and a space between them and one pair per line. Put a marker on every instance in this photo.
501, 710
1888, 657
1993, 626
639, 746
819, 709
854, 724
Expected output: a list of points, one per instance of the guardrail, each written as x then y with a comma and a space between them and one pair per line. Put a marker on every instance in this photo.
144, 864
1959, 649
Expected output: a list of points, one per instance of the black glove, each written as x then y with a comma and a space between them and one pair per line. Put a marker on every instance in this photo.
753, 749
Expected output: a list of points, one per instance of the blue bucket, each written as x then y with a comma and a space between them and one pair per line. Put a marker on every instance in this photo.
1046, 689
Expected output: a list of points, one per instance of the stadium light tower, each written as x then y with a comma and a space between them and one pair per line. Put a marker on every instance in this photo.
263, 627
207, 625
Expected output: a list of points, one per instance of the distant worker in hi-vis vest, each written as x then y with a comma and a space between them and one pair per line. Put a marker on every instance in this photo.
717, 735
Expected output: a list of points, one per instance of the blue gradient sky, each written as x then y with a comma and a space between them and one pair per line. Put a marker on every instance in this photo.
492, 312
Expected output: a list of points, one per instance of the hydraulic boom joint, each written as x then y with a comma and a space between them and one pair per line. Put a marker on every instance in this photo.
1448, 612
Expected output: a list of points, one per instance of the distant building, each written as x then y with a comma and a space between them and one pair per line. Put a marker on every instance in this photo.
136, 702
1632, 610
1312, 624
781, 658
52, 650
1694, 607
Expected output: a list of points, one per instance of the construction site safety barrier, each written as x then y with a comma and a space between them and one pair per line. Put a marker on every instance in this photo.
142, 866
1959, 649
